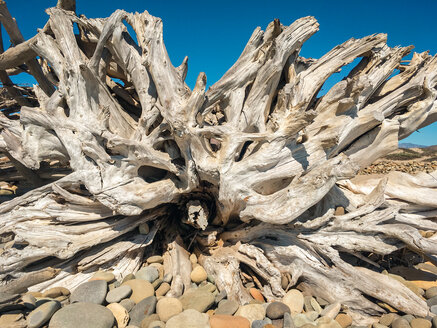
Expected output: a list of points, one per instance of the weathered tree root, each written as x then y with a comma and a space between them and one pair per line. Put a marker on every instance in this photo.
260, 148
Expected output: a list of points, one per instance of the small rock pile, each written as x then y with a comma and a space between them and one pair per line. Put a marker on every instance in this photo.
412, 167
143, 300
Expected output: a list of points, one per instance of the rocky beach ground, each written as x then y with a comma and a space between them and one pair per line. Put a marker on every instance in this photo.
144, 300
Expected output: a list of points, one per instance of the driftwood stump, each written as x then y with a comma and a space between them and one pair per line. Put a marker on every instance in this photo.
248, 172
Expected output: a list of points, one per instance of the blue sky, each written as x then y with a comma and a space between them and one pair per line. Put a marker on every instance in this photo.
212, 34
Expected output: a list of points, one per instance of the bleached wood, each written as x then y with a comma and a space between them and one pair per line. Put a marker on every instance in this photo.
260, 148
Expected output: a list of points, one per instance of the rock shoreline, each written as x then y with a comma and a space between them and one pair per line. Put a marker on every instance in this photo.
142, 300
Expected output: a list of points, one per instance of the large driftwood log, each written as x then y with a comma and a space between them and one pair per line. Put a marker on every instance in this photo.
247, 172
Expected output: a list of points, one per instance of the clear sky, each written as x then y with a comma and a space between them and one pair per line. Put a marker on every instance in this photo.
213, 33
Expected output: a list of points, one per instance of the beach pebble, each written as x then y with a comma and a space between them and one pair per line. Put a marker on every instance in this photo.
198, 274
83, 315
90, 292
168, 307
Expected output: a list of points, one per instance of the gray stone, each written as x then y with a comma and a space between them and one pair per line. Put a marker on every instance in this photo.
434, 309
149, 273
157, 324
434, 322
307, 303
118, 294
260, 323
288, 321
189, 318
83, 315
432, 301
198, 300
128, 304
378, 325
42, 314
90, 292
276, 310
146, 307
220, 296
408, 317
228, 307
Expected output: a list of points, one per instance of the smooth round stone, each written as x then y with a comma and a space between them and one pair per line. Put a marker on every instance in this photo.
149, 274
387, 318
294, 299
103, 275
431, 292
227, 307
29, 301
261, 323
420, 323
127, 303
42, 314
168, 307
118, 294
120, 314
144, 228
193, 258
83, 315
157, 324
256, 294
196, 299
198, 274
163, 289
252, 312
189, 318
344, 320
276, 310
400, 323
228, 321
155, 259
90, 292
140, 289
55, 292
146, 307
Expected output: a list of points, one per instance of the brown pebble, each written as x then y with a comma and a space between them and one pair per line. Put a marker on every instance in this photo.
344, 320
228, 321
420, 323
339, 211
256, 294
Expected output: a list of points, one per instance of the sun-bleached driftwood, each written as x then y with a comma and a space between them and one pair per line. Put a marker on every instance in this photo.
248, 171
